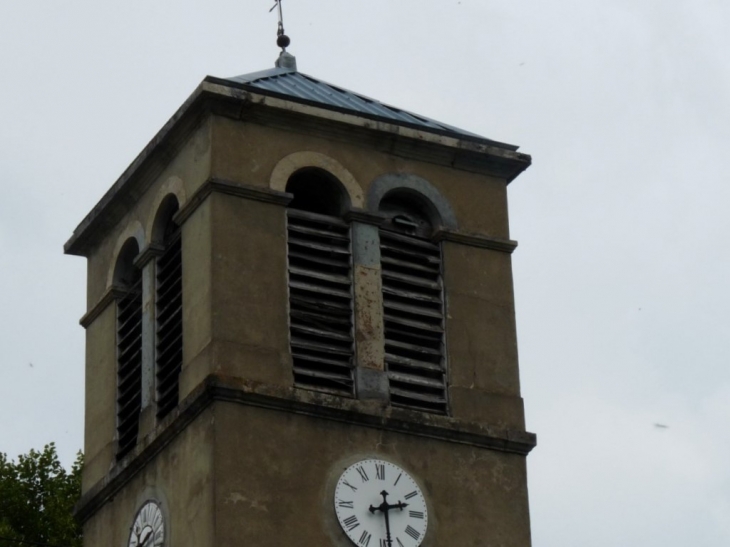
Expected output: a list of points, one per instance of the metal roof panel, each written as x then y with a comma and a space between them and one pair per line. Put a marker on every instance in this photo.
299, 86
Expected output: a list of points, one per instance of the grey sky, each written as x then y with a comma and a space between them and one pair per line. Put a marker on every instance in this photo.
622, 271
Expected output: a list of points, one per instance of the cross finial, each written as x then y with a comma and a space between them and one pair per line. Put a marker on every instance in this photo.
282, 40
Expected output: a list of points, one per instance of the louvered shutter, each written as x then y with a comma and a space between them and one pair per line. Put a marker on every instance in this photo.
129, 363
169, 325
320, 302
414, 321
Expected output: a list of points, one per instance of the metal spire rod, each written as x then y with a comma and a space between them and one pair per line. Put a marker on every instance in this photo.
281, 17
282, 39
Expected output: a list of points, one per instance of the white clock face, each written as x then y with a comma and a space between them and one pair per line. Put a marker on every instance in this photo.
378, 504
148, 529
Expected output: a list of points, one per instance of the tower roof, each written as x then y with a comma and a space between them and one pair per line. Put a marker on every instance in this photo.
296, 86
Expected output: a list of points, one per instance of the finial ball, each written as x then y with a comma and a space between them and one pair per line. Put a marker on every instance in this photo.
283, 41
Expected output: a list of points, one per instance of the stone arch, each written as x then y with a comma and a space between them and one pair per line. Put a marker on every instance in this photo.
162, 218
173, 186
318, 191
301, 160
434, 204
133, 231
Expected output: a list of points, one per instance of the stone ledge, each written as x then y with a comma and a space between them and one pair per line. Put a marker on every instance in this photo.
213, 184
111, 294
365, 217
373, 414
475, 240
152, 251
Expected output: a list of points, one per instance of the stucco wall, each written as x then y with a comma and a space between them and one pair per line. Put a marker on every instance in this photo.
275, 475
181, 478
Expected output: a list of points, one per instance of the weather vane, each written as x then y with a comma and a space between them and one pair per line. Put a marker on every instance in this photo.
282, 40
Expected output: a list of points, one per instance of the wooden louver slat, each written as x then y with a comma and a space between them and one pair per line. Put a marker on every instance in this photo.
414, 322
169, 326
129, 367
320, 302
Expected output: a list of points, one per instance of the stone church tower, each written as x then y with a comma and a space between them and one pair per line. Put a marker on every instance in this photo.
301, 331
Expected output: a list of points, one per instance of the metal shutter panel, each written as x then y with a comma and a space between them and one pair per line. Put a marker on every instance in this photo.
320, 302
414, 321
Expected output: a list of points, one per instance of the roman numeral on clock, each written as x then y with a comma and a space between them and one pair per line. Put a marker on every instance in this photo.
380, 471
399, 542
348, 484
415, 514
363, 475
411, 495
365, 538
346, 504
351, 523
415, 534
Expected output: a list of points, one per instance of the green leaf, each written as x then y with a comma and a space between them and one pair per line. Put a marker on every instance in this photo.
38, 496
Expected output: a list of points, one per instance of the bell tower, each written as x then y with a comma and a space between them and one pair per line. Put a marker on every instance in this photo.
301, 330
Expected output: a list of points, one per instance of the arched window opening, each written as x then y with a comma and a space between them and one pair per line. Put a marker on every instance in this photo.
317, 191
320, 283
407, 214
128, 279
168, 309
413, 304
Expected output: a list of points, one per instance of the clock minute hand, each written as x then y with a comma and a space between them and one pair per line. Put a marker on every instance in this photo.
384, 508
143, 541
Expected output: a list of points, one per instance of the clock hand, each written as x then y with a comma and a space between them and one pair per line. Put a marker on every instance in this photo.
384, 508
387, 525
143, 541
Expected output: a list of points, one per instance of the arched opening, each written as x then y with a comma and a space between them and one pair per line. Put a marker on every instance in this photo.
413, 302
128, 281
168, 308
320, 283
164, 226
408, 212
317, 191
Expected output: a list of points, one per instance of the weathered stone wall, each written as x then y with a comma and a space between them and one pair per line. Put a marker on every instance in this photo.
275, 475
245, 475
181, 478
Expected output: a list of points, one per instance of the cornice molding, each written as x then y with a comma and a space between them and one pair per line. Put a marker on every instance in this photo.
238, 189
152, 251
140, 174
111, 294
365, 217
305, 403
247, 100
492, 243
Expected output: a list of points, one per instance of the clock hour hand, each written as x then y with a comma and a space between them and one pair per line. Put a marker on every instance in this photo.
384, 508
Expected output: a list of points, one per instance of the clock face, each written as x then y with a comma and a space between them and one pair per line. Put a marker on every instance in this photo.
148, 529
375, 498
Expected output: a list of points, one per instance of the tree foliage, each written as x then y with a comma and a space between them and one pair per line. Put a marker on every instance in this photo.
37, 496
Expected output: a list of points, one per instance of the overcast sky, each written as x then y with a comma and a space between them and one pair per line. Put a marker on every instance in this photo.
623, 308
